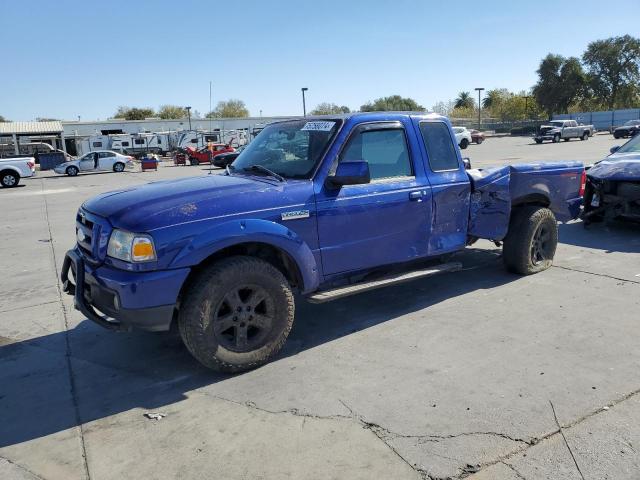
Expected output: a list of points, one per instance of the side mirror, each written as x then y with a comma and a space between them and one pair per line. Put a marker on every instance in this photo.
614, 149
467, 163
351, 173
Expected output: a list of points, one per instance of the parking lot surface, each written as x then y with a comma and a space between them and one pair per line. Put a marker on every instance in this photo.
479, 374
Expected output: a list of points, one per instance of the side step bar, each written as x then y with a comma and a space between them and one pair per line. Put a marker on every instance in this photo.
341, 292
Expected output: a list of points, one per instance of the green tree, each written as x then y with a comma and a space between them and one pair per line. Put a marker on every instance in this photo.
561, 81
171, 112
46, 119
233, 108
613, 67
2, 119
394, 103
326, 108
495, 97
464, 100
134, 113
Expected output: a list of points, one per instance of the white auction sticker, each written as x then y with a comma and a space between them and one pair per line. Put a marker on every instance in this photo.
319, 126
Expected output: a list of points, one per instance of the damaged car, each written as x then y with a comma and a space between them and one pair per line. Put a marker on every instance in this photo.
613, 185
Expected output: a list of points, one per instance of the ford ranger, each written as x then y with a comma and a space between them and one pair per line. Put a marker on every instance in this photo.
324, 207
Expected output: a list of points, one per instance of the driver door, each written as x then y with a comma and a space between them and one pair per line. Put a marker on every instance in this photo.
381, 222
87, 163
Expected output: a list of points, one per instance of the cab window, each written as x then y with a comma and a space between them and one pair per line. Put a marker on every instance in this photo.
440, 148
384, 149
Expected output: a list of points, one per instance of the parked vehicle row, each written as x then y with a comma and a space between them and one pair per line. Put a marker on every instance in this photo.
13, 169
324, 207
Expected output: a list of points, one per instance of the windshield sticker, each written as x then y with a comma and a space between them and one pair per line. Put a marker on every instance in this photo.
318, 126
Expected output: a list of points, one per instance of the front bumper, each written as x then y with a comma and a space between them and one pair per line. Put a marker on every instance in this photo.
112, 293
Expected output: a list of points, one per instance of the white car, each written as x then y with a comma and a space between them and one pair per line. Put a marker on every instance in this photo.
13, 169
463, 136
98, 161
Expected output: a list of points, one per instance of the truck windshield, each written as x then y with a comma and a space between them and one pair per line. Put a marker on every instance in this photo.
290, 149
556, 124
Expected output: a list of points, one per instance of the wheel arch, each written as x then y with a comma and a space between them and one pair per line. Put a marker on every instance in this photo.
536, 198
270, 241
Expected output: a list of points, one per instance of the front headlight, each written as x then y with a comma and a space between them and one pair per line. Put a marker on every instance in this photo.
131, 247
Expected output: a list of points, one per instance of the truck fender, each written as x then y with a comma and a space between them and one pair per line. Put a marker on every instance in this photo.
13, 168
237, 232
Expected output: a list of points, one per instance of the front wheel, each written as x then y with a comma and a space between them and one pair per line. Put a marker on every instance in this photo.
464, 143
72, 171
556, 138
538, 141
237, 314
531, 242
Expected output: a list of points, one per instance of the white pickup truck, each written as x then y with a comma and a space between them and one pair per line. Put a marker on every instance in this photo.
563, 130
13, 169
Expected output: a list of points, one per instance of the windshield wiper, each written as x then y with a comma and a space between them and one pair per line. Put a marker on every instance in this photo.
260, 168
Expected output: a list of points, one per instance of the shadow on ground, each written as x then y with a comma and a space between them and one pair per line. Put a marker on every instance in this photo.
116, 372
616, 236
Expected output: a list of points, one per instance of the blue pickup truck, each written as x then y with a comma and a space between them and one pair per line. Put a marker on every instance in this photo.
323, 207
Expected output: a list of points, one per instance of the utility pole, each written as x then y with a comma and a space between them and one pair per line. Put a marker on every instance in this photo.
304, 105
189, 114
210, 105
479, 90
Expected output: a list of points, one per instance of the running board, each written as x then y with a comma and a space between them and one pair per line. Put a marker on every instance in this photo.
341, 292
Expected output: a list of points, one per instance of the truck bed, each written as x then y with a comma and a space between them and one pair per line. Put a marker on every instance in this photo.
495, 191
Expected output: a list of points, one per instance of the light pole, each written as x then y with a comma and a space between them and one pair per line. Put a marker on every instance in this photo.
189, 114
304, 105
479, 90
526, 105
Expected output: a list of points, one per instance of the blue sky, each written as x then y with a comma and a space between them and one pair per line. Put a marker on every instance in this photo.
67, 58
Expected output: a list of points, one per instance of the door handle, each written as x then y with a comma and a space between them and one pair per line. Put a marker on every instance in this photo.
415, 195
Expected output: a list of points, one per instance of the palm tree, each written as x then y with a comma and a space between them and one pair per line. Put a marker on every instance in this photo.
464, 100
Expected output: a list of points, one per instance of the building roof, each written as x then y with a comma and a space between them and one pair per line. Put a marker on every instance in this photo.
23, 128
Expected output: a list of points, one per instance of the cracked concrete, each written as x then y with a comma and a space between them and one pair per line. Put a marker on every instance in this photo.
442, 378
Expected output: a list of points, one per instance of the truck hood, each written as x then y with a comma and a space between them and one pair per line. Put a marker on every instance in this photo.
161, 204
618, 168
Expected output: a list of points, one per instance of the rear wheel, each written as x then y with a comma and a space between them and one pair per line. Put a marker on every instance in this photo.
585, 136
9, 179
531, 242
566, 139
72, 171
479, 140
118, 167
237, 314
194, 161
538, 141
464, 143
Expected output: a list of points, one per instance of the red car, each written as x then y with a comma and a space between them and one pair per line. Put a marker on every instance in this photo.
477, 136
203, 155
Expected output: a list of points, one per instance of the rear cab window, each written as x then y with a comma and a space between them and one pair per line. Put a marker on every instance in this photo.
440, 147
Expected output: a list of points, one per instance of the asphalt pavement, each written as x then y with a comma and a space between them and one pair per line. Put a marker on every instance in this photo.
476, 374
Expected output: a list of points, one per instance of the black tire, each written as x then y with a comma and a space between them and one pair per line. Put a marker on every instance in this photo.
9, 179
538, 141
531, 242
556, 138
118, 167
464, 143
566, 139
479, 140
585, 136
72, 171
224, 291
194, 161
616, 136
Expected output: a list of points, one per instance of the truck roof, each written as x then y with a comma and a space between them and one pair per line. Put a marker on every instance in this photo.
370, 115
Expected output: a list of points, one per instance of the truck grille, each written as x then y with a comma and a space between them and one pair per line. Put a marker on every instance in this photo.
92, 235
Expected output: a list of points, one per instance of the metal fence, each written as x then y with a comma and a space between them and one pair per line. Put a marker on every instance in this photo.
602, 120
